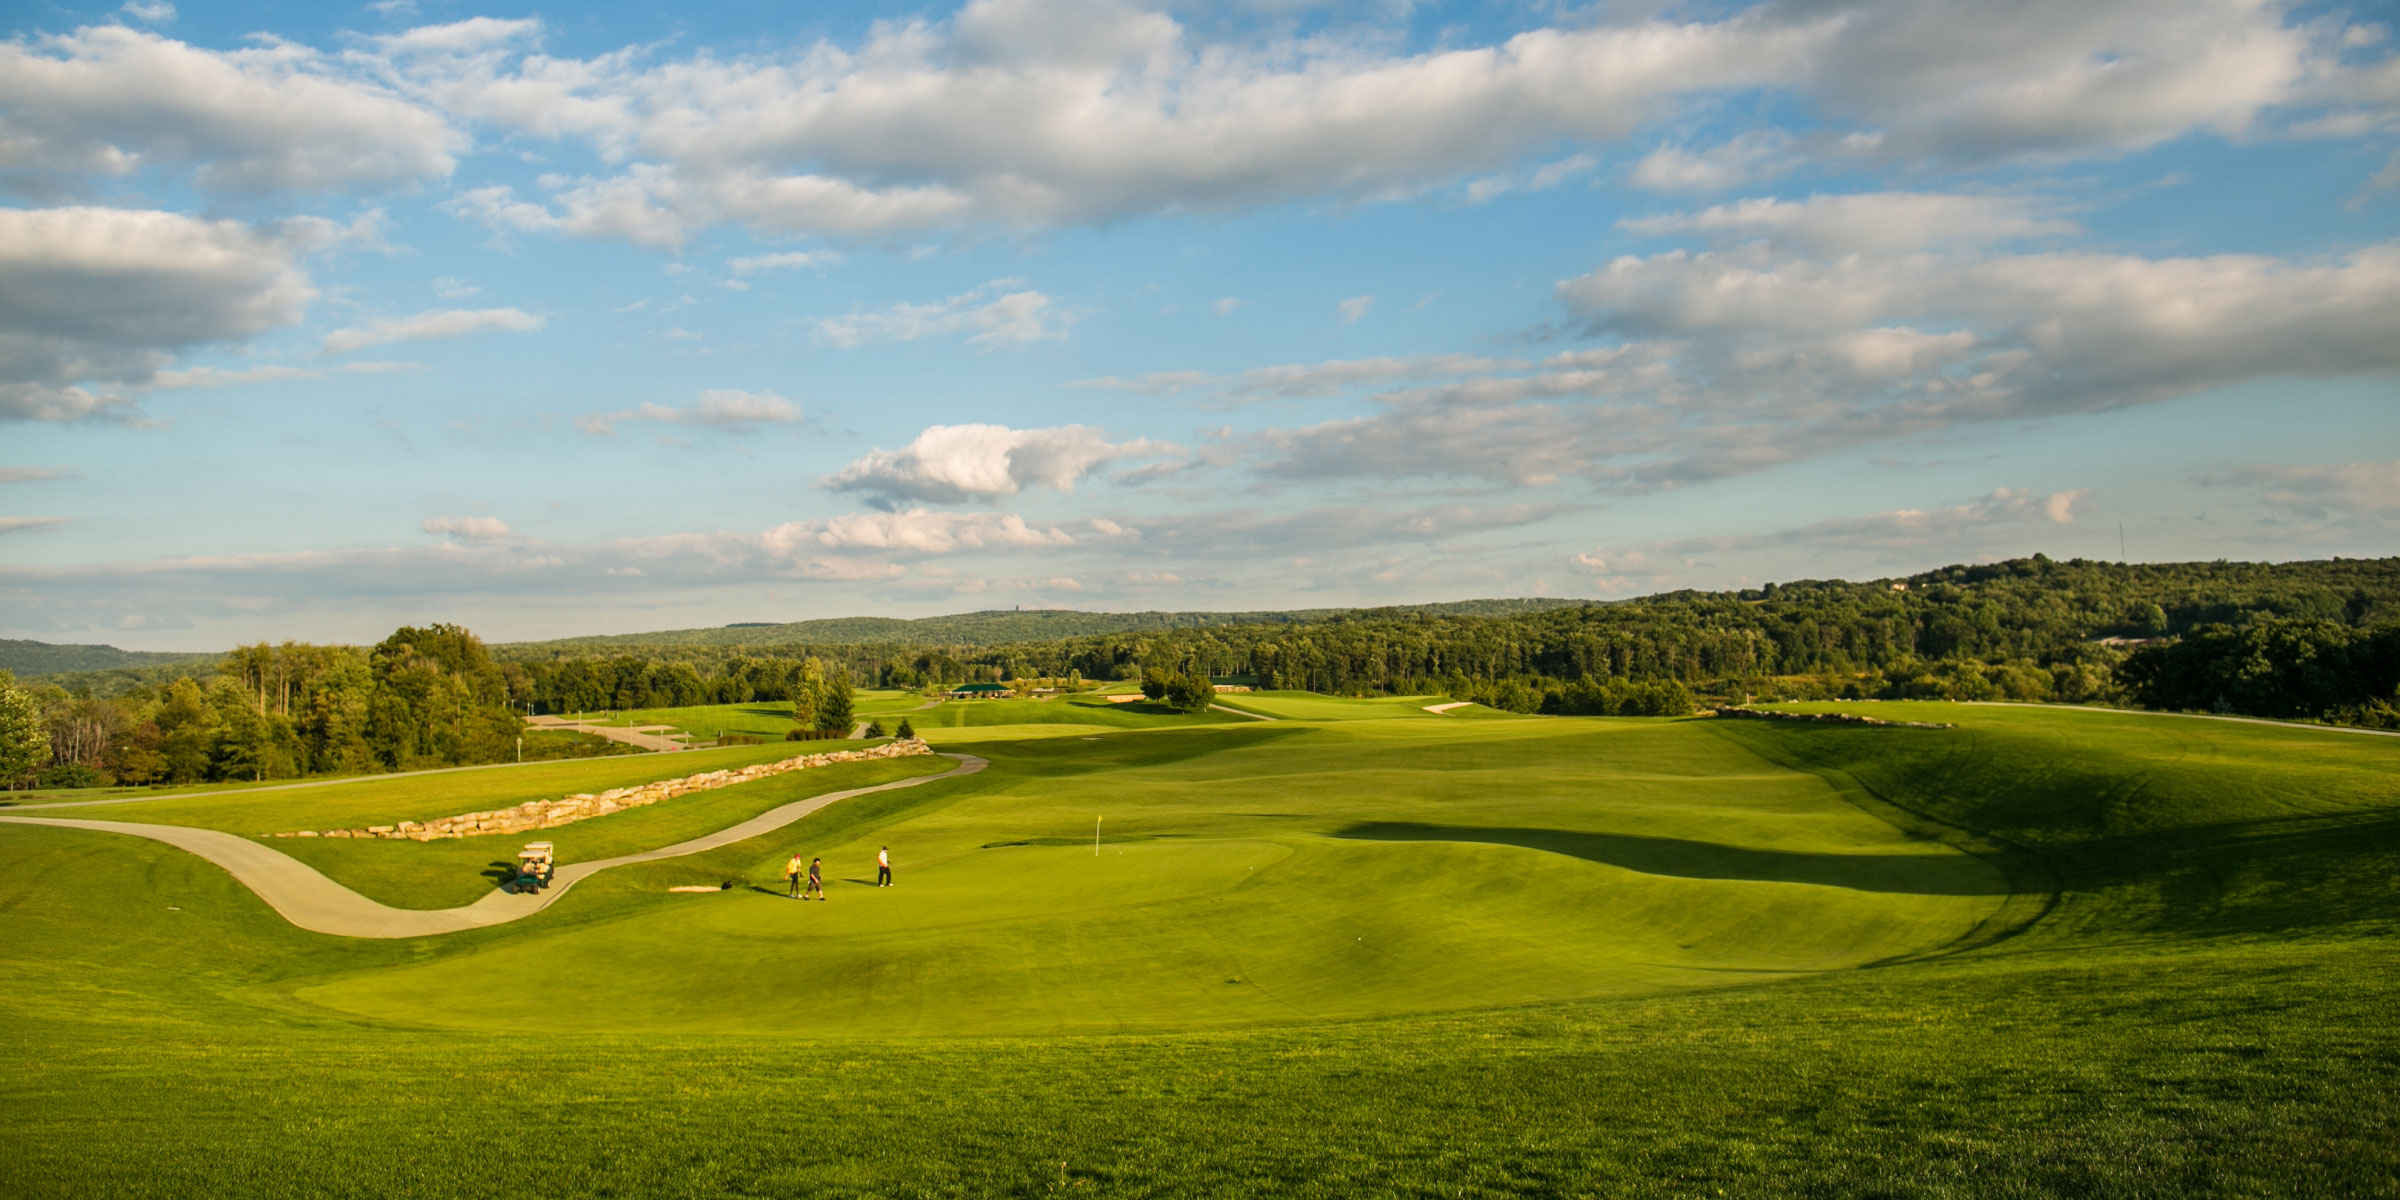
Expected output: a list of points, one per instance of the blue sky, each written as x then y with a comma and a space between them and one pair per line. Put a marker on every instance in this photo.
314, 321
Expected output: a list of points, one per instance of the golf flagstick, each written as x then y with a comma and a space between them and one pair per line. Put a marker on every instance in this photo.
1095, 838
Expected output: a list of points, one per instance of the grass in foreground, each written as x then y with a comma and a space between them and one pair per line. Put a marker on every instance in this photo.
2204, 1010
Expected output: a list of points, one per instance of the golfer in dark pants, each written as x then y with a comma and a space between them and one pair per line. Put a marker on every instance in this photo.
792, 869
883, 868
816, 879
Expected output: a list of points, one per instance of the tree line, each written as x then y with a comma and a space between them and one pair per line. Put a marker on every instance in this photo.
2312, 639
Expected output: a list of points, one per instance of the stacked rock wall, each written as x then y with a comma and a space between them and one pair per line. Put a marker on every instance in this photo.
543, 815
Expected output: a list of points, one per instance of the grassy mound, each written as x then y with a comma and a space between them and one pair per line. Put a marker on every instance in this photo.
2044, 952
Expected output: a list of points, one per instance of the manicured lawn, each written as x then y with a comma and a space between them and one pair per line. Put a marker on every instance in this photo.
2043, 953
1085, 709
381, 800
448, 872
763, 719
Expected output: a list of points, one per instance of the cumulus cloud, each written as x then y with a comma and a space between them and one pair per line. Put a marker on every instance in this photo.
1294, 381
990, 317
790, 260
432, 324
1871, 221
108, 100
1354, 308
219, 377
949, 464
474, 528
2056, 78
2007, 521
917, 531
1728, 362
94, 302
2328, 494
1753, 156
994, 116
728, 409
1533, 179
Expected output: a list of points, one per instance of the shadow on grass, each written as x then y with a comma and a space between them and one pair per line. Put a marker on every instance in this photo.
1946, 875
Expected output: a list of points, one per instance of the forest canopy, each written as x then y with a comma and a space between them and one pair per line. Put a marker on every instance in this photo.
2312, 640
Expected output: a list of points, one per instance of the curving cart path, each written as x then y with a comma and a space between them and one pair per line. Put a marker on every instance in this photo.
309, 900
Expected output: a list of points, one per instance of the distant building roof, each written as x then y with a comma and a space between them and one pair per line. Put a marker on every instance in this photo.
979, 688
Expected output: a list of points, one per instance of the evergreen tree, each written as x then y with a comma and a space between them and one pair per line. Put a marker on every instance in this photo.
834, 701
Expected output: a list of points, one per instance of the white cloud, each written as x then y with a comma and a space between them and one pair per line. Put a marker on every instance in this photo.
2320, 494
948, 464
27, 475
11, 525
997, 116
94, 301
1225, 305
1729, 362
435, 323
107, 100
988, 316
1354, 308
2052, 78
1753, 156
790, 260
473, 528
218, 377
155, 12
454, 289
993, 116
1156, 383
1533, 179
1292, 381
917, 531
1869, 221
2010, 520
727, 409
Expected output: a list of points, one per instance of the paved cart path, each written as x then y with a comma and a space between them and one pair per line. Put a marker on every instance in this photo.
311, 901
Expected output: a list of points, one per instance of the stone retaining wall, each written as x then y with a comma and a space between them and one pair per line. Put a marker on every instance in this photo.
542, 815
1846, 719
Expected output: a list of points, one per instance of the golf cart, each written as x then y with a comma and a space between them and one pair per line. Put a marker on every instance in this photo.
534, 868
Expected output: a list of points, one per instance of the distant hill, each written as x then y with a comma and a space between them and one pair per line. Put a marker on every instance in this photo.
29, 658
995, 627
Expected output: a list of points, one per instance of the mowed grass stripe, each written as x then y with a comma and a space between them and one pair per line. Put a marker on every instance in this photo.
2203, 1013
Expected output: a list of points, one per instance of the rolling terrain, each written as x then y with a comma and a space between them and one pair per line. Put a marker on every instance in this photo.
1363, 948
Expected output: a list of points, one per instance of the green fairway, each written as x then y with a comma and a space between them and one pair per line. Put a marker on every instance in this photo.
759, 719
1264, 875
1363, 949
1091, 710
1311, 706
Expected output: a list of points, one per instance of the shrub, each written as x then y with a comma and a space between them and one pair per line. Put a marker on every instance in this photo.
907, 730
874, 729
68, 775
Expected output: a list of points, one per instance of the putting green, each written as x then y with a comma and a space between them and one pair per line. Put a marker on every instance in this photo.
1249, 875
